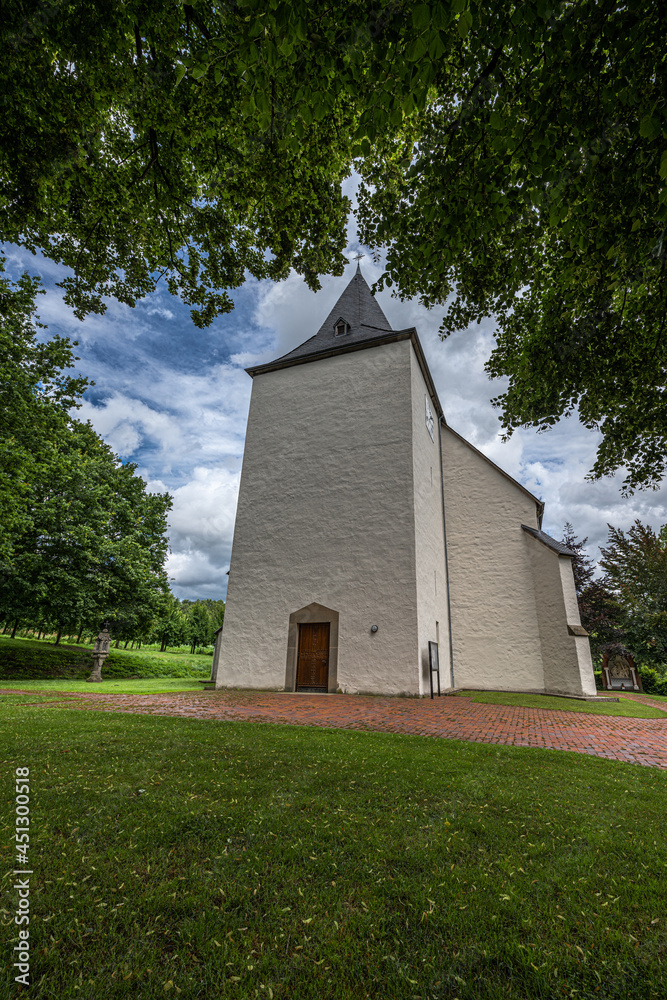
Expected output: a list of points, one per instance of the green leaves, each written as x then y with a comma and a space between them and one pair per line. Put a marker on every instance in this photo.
464, 23
550, 189
649, 127
635, 563
207, 143
417, 48
421, 16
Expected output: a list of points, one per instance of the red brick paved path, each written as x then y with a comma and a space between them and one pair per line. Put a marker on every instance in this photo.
636, 741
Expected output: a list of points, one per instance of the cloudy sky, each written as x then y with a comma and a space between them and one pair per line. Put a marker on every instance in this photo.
174, 400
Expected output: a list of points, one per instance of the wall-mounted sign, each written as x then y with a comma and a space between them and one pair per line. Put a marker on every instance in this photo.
429, 418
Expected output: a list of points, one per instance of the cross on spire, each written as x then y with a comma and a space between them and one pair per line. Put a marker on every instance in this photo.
358, 258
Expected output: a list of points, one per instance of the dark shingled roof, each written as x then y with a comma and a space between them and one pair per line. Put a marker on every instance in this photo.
550, 542
359, 310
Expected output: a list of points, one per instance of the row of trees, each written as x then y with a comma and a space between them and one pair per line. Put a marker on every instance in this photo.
624, 610
81, 539
175, 623
192, 623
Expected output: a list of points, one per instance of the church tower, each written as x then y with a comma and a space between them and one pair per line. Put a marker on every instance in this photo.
338, 576
372, 540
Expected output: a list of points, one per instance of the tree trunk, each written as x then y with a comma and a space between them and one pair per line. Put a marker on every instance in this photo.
78, 638
164, 644
126, 642
117, 646
16, 625
58, 636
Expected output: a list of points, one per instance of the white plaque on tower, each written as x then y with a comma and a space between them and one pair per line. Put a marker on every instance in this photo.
429, 418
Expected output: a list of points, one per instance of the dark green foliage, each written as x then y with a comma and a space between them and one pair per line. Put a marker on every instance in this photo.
121, 167
532, 188
601, 614
635, 563
35, 396
170, 623
604, 618
199, 625
228, 859
512, 154
654, 681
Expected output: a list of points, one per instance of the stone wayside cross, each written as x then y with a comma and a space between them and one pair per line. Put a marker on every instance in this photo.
100, 653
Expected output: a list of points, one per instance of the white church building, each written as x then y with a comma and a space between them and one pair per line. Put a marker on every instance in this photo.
368, 531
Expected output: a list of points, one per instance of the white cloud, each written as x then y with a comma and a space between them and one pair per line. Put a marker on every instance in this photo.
201, 529
161, 311
183, 418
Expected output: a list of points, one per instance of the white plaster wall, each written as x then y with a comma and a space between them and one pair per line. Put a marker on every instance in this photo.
429, 535
325, 514
567, 660
495, 634
584, 677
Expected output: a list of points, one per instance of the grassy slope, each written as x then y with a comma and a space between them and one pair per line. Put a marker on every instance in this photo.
32, 659
241, 860
626, 707
146, 685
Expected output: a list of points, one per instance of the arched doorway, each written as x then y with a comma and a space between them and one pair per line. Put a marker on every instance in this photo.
312, 650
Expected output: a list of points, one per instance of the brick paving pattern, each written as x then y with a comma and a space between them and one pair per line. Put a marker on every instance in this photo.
636, 741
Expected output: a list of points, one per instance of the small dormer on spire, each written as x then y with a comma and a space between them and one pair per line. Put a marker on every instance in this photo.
341, 327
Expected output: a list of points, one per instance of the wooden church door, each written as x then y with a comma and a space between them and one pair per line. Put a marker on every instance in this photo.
312, 672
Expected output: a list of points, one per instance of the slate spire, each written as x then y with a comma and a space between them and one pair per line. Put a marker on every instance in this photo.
357, 307
356, 317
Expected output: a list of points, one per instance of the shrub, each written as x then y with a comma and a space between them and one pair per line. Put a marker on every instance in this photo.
652, 681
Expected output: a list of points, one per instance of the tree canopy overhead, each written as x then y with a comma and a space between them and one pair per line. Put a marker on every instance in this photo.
535, 192
513, 156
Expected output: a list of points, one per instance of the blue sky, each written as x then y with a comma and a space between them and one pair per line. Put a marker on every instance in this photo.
174, 400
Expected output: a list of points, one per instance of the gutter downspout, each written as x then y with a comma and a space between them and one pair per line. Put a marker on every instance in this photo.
441, 421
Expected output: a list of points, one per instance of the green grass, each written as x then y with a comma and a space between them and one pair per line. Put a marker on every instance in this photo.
22, 659
237, 860
627, 707
146, 685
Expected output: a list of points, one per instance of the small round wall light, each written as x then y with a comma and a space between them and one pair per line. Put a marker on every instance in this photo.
374, 628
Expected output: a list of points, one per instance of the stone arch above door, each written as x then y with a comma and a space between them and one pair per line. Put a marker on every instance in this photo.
312, 613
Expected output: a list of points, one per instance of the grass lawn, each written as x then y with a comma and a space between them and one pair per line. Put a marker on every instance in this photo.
627, 707
196, 859
37, 659
144, 685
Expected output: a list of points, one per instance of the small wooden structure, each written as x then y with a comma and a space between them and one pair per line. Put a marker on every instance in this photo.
619, 673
